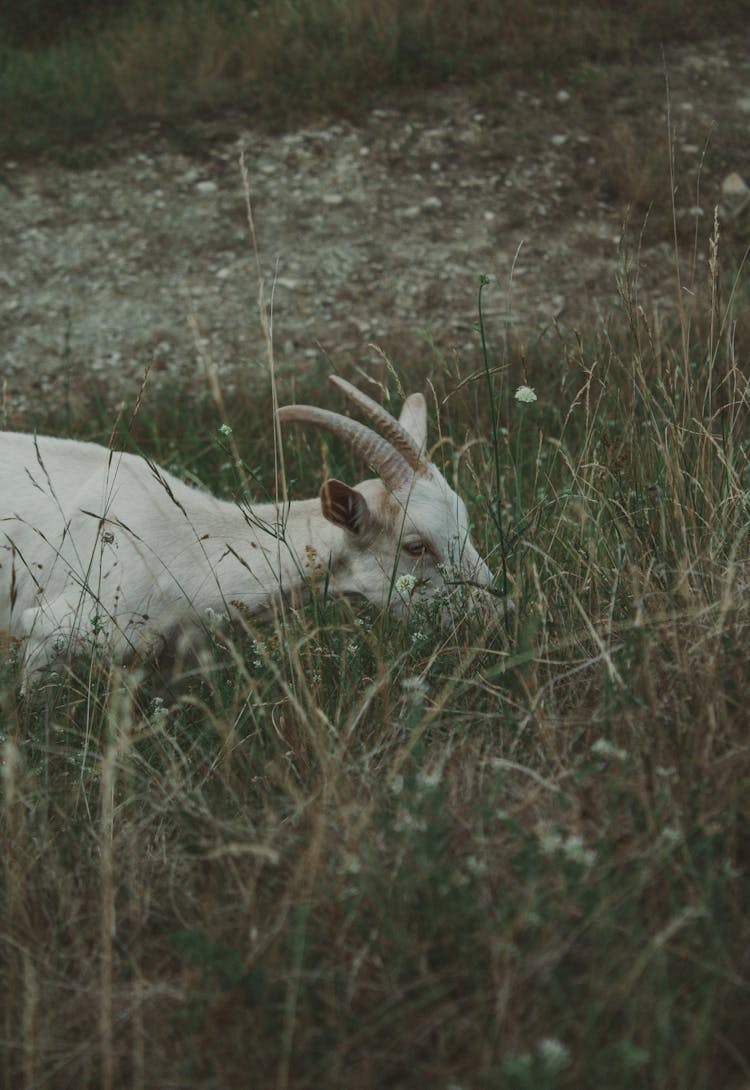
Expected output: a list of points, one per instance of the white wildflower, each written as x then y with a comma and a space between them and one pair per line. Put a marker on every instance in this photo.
405, 585
261, 652
215, 618
550, 842
415, 689
476, 866
572, 847
666, 773
554, 1054
525, 394
576, 850
670, 836
415, 684
405, 820
430, 778
351, 863
158, 711
225, 431
602, 747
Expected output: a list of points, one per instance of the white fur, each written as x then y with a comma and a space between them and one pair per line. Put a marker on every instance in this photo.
99, 545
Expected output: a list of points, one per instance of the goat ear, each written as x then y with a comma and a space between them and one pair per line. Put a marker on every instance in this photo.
414, 419
345, 507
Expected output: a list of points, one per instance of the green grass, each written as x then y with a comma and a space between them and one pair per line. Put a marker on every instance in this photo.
67, 86
356, 854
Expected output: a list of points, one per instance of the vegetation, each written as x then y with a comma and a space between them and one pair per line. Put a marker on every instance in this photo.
82, 75
354, 854
358, 854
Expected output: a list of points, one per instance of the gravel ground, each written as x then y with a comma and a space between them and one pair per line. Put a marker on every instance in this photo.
371, 232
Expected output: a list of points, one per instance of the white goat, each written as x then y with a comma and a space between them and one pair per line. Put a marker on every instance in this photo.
98, 545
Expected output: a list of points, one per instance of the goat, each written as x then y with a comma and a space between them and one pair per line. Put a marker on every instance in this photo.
104, 546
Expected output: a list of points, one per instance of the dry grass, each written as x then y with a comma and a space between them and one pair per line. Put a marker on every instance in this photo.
287, 58
632, 167
359, 855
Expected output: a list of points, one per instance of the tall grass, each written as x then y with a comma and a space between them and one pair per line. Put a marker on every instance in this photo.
63, 82
356, 854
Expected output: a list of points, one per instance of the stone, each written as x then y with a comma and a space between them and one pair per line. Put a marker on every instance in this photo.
735, 196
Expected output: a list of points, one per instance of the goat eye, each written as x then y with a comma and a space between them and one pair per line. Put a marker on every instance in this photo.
417, 548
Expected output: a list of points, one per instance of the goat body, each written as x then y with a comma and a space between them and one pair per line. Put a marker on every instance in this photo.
99, 545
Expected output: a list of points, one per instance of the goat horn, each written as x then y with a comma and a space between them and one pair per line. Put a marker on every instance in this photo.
390, 466
386, 424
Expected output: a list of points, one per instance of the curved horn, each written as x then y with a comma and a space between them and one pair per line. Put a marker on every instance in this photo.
386, 424
393, 470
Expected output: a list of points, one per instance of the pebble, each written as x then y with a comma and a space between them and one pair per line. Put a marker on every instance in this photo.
735, 196
734, 187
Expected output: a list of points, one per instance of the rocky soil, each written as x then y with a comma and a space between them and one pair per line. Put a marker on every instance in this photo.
371, 232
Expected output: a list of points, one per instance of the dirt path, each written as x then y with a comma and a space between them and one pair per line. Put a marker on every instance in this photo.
369, 232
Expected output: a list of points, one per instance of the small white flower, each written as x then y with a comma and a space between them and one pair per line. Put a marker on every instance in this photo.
414, 685
666, 773
415, 689
554, 1054
430, 779
225, 431
158, 710
405, 585
604, 748
550, 842
670, 836
525, 394
215, 618
351, 863
261, 651
406, 820
572, 847
576, 850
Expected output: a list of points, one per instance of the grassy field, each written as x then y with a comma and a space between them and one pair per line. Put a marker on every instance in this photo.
68, 83
357, 854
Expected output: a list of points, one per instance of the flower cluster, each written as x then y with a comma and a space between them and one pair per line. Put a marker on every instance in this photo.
572, 847
525, 394
405, 585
